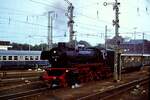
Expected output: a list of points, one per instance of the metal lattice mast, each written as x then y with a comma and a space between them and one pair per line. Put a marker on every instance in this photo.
106, 37
117, 64
117, 67
50, 30
70, 21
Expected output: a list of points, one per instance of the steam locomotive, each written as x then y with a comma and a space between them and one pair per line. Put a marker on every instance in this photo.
70, 66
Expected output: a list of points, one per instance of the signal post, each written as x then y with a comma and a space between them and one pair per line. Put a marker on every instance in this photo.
117, 64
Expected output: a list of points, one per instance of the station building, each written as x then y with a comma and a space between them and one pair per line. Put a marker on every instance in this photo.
133, 46
4, 45
136, 46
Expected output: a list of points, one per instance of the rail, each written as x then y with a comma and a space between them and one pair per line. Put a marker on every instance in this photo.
22, 94
114, 90
22, 90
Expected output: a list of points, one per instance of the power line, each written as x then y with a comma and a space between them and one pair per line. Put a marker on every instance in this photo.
17, 12
47, 5
20, 34
77, 13
63, 22
25, 22
64, 30
60, 29
65, 10
94, 29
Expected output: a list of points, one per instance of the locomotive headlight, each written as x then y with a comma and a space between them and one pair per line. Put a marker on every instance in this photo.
54, 77
67, 71
54, 51
55, 59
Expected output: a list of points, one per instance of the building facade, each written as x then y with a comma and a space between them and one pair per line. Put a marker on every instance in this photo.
4, 45
132, 46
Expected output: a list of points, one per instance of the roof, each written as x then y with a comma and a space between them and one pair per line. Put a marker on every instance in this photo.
17, 52
135, 54
139, 41
4, 43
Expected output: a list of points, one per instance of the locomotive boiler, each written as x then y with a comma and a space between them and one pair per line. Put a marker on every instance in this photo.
63, 57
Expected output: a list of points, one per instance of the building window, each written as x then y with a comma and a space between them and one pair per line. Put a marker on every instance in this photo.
9, 57
26, 58
132, 59
15, 57
36, 57
21, 57
4, 58
31, 57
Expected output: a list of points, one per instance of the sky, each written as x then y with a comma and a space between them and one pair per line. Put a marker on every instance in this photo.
25, 21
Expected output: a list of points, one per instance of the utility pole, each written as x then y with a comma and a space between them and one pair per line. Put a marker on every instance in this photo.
143, 51
50, 30
106, 37
117, 67
70, 21
134, 39
143, 44
29, 41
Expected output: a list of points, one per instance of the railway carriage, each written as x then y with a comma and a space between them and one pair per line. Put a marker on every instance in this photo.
130, 62
146, 59
14, 59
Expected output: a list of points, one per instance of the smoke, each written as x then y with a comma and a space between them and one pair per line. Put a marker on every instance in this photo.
60, 20
60, 7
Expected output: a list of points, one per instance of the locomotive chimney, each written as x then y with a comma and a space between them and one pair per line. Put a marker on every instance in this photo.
62, 45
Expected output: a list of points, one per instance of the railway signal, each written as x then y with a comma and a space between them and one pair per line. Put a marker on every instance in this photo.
117, 67
50, 29
71, 21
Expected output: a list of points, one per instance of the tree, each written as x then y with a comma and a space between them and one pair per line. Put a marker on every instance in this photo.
86, 44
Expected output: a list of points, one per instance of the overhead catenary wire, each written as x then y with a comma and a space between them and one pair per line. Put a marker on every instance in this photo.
44, 26
25, 22
90, 18
79, 14
83, 28
92, 27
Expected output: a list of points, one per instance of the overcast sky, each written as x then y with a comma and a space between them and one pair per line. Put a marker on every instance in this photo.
25, 21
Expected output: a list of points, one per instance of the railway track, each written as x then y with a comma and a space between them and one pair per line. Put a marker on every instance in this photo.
86, 91
17, 74
114, 90
22, 94
10, 78
22, 90
15, 81
36, 89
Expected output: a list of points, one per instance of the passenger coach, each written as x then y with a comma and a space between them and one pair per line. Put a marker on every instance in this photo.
21, 59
